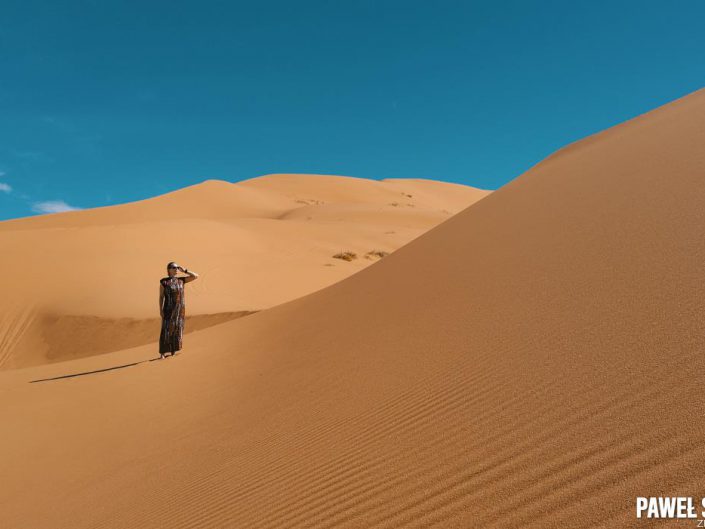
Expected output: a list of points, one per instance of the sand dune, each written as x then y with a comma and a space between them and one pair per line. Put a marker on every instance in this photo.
92, 275
534, 361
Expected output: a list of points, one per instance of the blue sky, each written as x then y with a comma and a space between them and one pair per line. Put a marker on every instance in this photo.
106, 102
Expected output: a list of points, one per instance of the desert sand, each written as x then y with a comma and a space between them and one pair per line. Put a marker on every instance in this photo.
534, 361
87, 282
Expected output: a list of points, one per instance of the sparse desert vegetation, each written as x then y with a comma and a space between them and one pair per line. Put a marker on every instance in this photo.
346, 256
376, 253
372, 254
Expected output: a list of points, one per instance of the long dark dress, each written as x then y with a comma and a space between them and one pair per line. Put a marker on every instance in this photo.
174, 313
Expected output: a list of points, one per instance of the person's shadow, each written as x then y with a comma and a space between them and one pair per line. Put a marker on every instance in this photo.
93, 372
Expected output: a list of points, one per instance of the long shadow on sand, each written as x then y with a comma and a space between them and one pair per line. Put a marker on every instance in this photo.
93, 372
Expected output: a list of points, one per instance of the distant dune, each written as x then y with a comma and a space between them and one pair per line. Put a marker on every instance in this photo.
86, 282
534, 361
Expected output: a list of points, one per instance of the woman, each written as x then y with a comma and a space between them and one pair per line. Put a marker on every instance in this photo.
172, 308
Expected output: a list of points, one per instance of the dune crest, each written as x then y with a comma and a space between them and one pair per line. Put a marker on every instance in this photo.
534, 361
93, 274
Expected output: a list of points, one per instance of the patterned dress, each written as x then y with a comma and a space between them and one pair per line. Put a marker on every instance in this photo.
174, 313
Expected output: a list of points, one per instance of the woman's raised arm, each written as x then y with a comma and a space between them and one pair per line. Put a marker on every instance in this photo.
192, 275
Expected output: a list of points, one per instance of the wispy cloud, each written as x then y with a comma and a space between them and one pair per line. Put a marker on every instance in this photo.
52, 206
3, 186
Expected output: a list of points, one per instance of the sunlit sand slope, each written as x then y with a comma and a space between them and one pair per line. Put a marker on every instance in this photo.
86, 282
535, 361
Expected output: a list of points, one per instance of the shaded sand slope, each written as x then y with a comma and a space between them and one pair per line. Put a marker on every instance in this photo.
93, 274
535, 361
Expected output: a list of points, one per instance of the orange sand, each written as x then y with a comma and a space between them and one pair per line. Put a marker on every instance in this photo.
534, 361
86, 282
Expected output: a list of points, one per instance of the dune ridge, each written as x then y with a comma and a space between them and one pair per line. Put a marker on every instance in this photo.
256, 243
31, 336
533, 361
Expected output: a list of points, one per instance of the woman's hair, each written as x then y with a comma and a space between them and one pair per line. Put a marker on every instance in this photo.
172, 263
